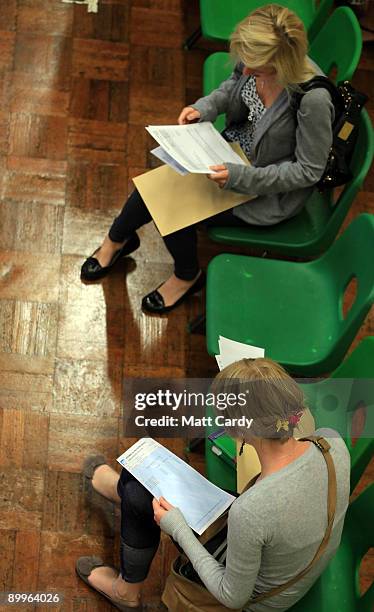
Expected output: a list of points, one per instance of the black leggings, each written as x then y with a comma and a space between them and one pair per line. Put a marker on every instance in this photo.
140, 535
182, 245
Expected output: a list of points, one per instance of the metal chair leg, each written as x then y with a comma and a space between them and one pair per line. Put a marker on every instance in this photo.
197, 325
192, 40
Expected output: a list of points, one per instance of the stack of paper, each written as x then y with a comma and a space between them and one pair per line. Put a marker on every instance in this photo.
166, 475
192, 148
231, 351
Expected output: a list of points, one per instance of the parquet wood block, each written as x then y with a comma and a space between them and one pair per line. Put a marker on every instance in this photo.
38, 136
138, 146
4, 123
7, 544
58, 554
44, 60
26, 561
110, 23
35, 180
87, 388
152, 110
24, 438
21, 501
72, 438
147, 341
26, 382
8, 15
97, 141
70, 507
5, 89
91, 323
153, 69
100, 59
45, 17
76, 236
24, 279
168, 33
38, 100
7, 41
95, 187
35, 228
99, 99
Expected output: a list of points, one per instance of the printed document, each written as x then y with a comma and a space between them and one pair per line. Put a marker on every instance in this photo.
195, 147
231, 351
166, 475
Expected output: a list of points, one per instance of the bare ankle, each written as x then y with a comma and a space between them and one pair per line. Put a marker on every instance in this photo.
128, 590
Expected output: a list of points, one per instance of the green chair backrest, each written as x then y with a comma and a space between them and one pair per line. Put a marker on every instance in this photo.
350, 257
219, 17
337, 589
338, 44
334, 401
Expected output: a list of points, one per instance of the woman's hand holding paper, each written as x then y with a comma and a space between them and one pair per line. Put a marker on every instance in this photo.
220, 176
188, 115
160, 508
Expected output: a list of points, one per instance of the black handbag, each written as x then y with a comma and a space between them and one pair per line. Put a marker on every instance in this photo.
348, 104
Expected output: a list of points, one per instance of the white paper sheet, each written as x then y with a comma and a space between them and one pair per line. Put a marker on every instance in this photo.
166, 475
231, 351
195, 147
161, 154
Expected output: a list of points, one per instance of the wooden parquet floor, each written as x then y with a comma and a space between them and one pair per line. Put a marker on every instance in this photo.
76, 90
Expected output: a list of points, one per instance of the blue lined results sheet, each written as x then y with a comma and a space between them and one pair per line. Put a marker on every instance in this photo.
166, 475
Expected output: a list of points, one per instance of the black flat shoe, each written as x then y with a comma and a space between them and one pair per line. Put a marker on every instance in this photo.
92, 270
154, 302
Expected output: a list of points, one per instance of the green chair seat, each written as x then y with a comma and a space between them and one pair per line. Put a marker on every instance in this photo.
294, 310
218, 17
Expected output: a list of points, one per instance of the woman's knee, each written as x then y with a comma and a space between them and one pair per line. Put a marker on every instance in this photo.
136, 498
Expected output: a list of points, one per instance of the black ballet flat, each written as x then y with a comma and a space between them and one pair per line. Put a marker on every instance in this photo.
92, 270
154, 302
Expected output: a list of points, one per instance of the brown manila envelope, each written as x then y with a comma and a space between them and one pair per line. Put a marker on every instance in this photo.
177, 201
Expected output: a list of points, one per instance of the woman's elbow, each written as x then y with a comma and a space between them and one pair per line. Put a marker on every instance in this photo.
312, 174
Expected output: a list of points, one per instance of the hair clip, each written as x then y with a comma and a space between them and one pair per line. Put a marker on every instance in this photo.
242, 448
282, 425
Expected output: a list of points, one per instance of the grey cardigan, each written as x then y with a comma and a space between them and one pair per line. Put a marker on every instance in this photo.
289, 152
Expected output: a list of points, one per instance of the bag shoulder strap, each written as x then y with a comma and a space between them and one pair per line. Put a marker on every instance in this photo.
324, 447
318, 82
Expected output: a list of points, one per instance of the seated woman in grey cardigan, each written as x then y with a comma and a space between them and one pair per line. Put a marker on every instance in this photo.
274, 528
288, 153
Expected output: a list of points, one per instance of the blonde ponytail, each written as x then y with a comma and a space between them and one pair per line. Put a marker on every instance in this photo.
274, 36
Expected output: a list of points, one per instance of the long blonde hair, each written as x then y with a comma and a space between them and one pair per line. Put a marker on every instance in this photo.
274, 36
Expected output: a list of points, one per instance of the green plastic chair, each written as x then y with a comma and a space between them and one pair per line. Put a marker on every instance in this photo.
333, 402
294, 310
338, 588
218, 18
338, 44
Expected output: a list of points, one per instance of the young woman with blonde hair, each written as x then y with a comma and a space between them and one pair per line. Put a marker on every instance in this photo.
274, 528
288, 150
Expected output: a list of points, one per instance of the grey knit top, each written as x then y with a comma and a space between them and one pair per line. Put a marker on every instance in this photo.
274, 530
